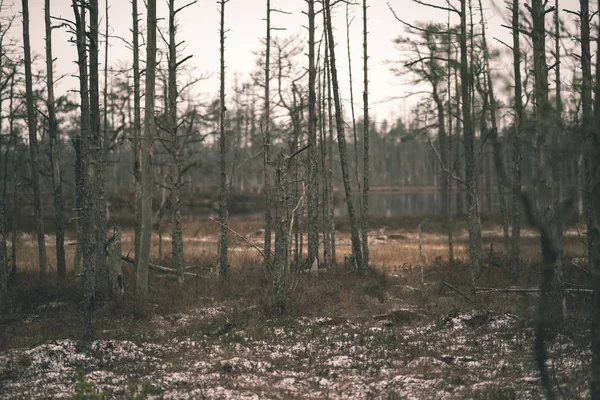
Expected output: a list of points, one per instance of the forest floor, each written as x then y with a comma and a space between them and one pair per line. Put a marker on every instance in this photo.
387, 335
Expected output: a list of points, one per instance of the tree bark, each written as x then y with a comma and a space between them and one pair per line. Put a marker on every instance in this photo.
137, 129
364, 212
177, 234
267, 139
223, 210
516, 156
313, 192
474, 227
54, 153
594, 172
33, 147
356, 243
147, 150
115, 275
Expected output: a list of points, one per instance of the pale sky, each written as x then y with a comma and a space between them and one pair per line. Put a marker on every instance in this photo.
199, 26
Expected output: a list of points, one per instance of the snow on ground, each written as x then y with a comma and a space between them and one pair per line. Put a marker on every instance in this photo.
204, 355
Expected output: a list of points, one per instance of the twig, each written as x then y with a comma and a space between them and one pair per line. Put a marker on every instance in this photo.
243, 238
580, 267
456, 290
528, 290
157, 268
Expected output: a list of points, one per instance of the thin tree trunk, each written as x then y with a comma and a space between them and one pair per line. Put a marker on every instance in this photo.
137, 129
115, 273
325, 160
267, 139
364, 212
594, 173
223, 208
474, 228
594, 233
33, 147
177, 234
588, 122
54, 153
356, 244
313, 192
97, 143
282, 210
355, 140
516, 156
3, 208
147, 146
498, 162
329, 172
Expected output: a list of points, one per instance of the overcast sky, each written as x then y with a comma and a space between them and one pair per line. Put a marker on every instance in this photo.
199, 26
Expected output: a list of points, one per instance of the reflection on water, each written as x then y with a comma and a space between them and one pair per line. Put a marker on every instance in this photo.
391, 204
381, 204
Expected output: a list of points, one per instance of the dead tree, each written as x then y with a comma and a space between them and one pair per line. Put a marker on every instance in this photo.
356, 243
516, 144
137, 129
33, 147
313, 192
54, 154
266, 129
364, 212
147, 146
223, 208
474, 227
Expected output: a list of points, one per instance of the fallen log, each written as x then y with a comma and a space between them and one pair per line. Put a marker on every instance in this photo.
158, 268
526, 290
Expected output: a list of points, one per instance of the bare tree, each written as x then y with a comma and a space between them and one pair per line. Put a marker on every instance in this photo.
266, 130
516, 157
364, 212
594, 172
137, 129
474, 227
223, 210
33, 147
356, 244
143, 259
313, 193
54, 154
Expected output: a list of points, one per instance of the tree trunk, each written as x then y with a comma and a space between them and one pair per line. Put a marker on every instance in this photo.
474, 227
282, 217
267, 139
594, 172
137, 129
364, 212
33, 147
147, 150
356, 244
115, 272
588, 123
97, 145
313, 192
223, 208
54, 153
516, 156
177, 234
